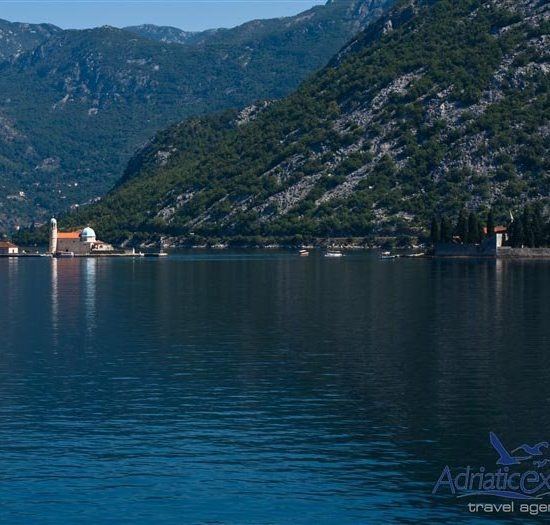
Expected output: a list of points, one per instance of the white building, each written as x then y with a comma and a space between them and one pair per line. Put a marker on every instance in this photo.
79, 242
8, 248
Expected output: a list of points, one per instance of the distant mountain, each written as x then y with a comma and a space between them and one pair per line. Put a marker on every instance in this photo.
16, 38
170, 35
441, 104
74, 109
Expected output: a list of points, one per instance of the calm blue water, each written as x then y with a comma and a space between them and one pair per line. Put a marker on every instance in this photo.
262, 388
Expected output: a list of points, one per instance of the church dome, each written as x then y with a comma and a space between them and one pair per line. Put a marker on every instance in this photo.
87, 234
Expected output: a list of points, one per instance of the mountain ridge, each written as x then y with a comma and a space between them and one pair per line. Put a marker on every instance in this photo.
18, 37
168, 34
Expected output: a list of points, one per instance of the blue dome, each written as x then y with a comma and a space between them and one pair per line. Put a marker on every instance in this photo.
87, 234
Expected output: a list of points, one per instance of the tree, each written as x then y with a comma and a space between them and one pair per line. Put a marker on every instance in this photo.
490, 223
462, 226
435, 230
527, 226
537, 225
516, 234
473, 228
446, 230
546, 234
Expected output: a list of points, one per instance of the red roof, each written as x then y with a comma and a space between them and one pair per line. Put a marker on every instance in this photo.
7, 244
68, 235
498, 229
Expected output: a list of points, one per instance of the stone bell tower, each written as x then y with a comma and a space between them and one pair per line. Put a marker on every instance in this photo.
53, 236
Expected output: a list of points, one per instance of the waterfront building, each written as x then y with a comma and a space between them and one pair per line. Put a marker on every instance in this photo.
501, 234
8, 248
79, 242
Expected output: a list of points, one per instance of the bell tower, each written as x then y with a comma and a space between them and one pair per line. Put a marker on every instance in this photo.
53, 236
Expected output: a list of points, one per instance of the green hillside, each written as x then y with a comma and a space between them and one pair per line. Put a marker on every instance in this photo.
75, 108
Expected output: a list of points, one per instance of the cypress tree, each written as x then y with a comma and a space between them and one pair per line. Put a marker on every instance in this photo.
516, 234
446, 230
473, 228
527, 226
537, 225
490, 223
480, 232
462, 226
435, 230
512, 234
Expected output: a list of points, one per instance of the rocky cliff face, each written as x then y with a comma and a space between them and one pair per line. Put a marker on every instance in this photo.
442, 104
75, 107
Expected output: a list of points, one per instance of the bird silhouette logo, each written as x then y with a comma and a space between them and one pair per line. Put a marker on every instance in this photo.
520, 454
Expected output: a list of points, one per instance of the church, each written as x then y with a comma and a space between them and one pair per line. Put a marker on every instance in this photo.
80, 242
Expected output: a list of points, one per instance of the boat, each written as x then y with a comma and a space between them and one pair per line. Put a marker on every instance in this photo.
64, 255
334, 253
303, 253
388, 255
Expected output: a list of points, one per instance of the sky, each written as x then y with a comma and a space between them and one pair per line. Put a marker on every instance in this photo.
191, 15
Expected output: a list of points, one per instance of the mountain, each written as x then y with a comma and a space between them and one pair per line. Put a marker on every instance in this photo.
441, 104
16, 38
75, 108
170, 35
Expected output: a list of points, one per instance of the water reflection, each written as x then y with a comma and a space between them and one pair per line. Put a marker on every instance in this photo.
73, 297
89, 269
263, 388
55, 304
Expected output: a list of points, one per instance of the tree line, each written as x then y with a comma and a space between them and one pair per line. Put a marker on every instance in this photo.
528, 228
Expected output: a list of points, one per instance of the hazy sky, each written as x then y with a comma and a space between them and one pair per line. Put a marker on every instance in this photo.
187, 14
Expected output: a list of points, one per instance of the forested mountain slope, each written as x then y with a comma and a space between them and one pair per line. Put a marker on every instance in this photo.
75, 108
442, 104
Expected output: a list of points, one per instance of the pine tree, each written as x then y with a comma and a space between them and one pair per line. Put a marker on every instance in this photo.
435, 231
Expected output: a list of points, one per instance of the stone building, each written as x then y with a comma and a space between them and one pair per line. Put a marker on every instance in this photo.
79, 242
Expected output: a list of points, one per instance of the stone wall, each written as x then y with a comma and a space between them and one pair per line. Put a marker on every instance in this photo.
487, 248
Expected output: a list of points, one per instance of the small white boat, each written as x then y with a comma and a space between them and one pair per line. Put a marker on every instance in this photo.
334, 253
303, 253
64, 255
388, 255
